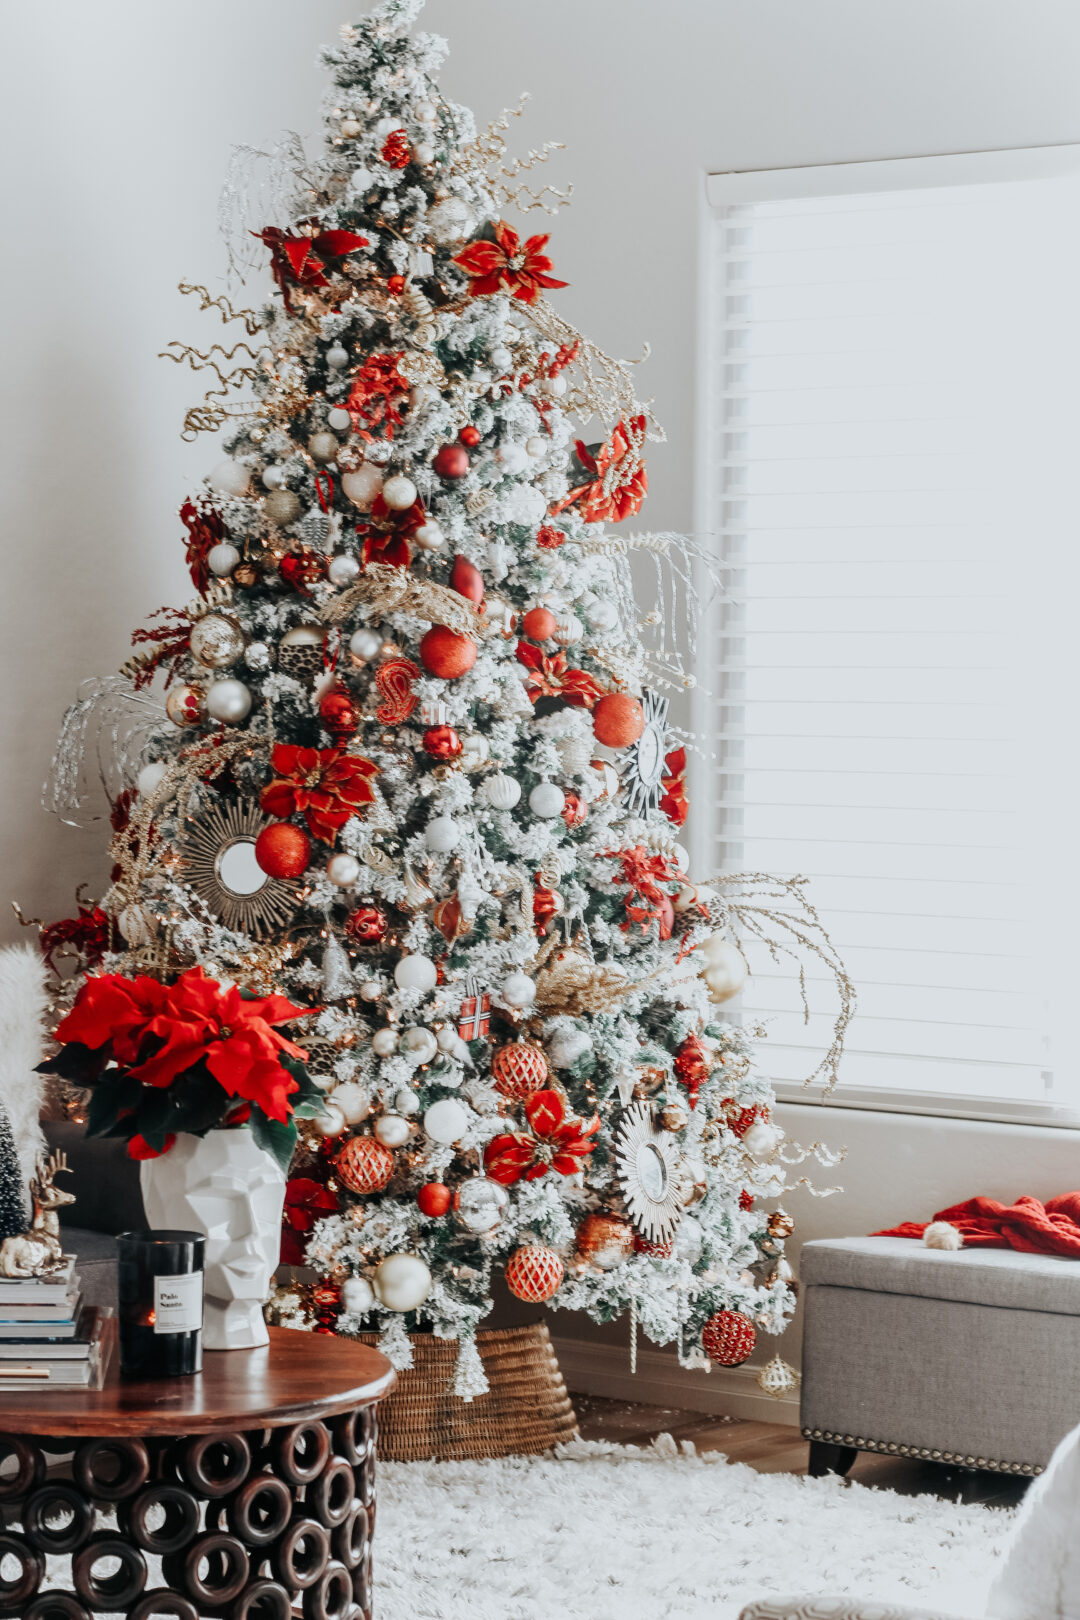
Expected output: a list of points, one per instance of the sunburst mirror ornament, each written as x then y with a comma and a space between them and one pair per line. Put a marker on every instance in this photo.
646, 1158
220, 865
643, 770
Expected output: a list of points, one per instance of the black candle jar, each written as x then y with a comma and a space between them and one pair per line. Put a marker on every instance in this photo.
160, 1282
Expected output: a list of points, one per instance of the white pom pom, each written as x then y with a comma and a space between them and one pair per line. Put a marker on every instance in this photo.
941, 1235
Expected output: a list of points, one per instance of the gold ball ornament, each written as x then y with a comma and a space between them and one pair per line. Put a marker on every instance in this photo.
606, 1240
780, 1224
216, 640
674, 1117
282, 507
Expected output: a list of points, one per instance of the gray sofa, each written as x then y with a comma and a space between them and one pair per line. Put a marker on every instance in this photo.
968, 1357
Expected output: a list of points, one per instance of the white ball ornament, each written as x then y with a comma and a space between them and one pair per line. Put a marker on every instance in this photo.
480, 1205
398, 492
446, 1120
323, 446
391, 1130
681, 856
512, 458
554, 387
518, 990
343, 569
566, 1046
602, 614
416, 973
370, 990
222, 559
425, 112
442, 835
429, 536
330, 1121
339, 418
501, 359
273, 477
406, 1101
402, 1282
568, 629
761, 1140
546, 800
151, 777
423, 153
475, 751
502, 792
343, 870
724, 970
689, 1238
337, 356
357, 1296
362, 486
231, 478
418, 1045
384, 1042
536, 446
366, 644
353, 1102
228, 701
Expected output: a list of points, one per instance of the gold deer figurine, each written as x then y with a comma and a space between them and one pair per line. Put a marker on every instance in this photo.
39, 1252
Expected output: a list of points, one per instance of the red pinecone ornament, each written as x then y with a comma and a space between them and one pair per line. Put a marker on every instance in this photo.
728, 1338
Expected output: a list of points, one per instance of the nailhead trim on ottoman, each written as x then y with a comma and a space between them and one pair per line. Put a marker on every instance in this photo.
893, 1448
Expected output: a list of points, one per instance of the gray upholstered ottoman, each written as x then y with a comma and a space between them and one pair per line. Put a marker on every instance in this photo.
968, 1357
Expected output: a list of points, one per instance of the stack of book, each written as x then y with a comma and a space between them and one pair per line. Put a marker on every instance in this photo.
48, 1337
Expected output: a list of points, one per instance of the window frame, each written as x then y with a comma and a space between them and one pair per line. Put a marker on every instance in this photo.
721, 192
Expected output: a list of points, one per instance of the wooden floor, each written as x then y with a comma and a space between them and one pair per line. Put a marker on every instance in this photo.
776, 1448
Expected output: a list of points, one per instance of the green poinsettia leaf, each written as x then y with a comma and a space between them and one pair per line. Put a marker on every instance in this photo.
276, 1139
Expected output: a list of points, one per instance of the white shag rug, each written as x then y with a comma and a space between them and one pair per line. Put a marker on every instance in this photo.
604, 1532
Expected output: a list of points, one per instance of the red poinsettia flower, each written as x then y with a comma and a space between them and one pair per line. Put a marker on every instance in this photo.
324, 785
300, 261
386, 538
306, 1200
299, 569
139, 1148
206, 529
505, 265
604, 500
559, 1141
643, 874
87, 934
551, 677
674, 802
158, 1031
377, 395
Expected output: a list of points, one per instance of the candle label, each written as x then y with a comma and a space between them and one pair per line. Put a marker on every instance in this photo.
178, 1303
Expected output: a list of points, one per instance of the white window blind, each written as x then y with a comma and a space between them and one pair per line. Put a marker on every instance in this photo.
892, 428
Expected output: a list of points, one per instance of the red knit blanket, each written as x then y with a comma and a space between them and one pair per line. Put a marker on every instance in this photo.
1034, 1228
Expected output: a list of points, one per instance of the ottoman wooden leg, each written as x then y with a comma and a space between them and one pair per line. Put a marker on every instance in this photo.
825, 1458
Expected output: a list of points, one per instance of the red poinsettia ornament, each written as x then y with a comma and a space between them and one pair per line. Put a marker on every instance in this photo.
301, 261
646, 901
378, 394
206, 529
616, 481
673, 801
553, 677
504, 265
324, 785
559, 1141
306, 1201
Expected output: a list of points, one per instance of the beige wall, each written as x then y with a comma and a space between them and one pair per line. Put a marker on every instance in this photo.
118, 117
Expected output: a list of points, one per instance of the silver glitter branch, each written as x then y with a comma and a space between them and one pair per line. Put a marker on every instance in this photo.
100, 743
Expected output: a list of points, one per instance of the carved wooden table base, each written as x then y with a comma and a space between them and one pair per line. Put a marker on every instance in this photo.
259, 1524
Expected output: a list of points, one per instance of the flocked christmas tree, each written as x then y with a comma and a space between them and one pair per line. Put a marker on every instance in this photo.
414, 793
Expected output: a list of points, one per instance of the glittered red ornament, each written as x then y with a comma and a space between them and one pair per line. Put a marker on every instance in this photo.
282, 850
539, 624
366, 925
364, 1165
452, 461
466, 579
434, 1199
658, 1251
338, 712
446, 654
517, 1070
470, 436
534, 1274
728, 1338
442, 742
618, 720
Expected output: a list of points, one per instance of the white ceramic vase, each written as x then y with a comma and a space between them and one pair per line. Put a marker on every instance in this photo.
226, 1187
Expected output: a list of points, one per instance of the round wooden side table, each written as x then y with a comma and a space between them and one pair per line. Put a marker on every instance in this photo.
245, 1493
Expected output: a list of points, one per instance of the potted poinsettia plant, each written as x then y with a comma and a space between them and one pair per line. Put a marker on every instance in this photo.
197, 1078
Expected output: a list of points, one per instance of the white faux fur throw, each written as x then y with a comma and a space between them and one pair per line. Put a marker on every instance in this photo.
1040, 1579
23, 1004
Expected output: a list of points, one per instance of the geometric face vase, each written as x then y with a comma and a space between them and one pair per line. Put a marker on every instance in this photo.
225, 1186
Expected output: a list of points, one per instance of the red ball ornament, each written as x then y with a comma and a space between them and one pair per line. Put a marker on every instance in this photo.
466, 579
574, 810
618, 720
452, 461
729, 1338
442, 742
282, 850
434, 1199
446, 654
364, 1165
338, 713
470, 436
539, 624
366, 925
518, 1070
534, 1274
